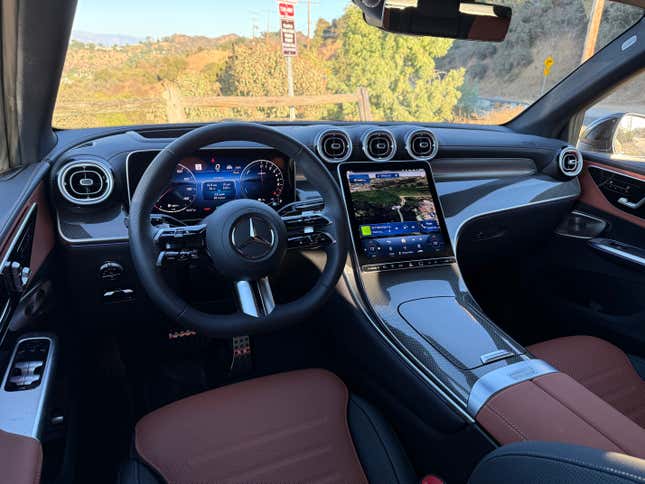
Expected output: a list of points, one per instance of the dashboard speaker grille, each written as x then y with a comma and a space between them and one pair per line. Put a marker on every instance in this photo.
379, 145
85, 182
334, 146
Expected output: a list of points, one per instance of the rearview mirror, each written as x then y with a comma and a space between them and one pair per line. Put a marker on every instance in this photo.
439, 18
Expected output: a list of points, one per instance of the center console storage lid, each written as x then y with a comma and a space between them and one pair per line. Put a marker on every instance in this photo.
462, 335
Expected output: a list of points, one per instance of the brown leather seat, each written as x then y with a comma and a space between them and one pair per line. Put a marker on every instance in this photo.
601, 367
301, 426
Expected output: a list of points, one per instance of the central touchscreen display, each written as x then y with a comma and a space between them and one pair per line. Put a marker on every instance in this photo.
394, 213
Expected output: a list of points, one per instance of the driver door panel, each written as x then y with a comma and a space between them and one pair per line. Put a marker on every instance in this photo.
26, 238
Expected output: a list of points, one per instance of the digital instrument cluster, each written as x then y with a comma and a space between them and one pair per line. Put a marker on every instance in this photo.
209, 178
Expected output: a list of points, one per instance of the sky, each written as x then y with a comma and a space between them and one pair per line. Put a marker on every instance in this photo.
212, 18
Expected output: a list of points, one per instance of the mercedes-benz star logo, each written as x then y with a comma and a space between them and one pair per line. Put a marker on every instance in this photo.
253, 237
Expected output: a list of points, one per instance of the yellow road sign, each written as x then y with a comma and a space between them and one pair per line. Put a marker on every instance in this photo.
548, 63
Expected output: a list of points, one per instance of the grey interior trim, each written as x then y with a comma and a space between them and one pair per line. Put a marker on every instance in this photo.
504, 377
23, 411
447, 169
505, 209
89, 240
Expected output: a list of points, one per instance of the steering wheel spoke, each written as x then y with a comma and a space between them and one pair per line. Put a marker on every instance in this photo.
308, 231
180, 245
255, 298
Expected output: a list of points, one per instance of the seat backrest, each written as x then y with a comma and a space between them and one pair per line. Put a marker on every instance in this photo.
545, 462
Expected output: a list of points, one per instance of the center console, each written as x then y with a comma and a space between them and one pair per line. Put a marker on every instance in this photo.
407, 280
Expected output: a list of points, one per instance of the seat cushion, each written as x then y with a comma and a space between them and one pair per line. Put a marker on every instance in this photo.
290, 427
601, 367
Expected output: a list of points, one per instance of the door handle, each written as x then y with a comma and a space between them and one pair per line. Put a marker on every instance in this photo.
620, 250
632, 205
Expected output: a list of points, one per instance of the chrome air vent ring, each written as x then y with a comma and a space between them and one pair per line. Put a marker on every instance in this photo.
334, 145
85, 182
378, 144
421, 144
570, 161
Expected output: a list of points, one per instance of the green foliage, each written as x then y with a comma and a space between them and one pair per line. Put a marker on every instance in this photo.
258, 68
399, 72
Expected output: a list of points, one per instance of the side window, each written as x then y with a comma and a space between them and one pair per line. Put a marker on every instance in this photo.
615, 126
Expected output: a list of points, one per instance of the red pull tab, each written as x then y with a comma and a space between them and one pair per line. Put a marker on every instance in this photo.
432, 480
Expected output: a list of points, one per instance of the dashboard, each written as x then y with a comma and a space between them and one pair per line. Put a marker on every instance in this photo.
477, 171
211, 177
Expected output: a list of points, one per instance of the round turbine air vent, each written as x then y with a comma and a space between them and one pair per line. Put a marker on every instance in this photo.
421, 144
379, 145
570, 161
85, 182
334, 146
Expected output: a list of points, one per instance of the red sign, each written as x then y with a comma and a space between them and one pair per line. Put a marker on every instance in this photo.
286, 10
288, 34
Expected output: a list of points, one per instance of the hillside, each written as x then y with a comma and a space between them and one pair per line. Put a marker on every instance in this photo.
539, 29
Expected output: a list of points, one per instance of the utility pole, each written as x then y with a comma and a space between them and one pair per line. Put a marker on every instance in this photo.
595, 16
290, 91
308, 23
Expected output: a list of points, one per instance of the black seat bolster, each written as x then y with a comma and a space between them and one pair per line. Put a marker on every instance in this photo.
378, 448
134, 471
552, 462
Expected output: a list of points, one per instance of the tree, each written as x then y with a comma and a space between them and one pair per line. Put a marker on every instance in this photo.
258, 68
399, 72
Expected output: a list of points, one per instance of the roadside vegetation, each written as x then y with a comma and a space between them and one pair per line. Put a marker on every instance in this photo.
407, 78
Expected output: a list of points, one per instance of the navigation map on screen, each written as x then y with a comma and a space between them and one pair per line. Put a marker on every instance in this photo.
396, 215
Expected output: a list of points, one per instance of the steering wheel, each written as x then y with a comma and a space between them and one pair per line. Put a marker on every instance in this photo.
246, 240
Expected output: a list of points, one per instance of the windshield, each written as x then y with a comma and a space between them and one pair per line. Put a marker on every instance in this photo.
151, 62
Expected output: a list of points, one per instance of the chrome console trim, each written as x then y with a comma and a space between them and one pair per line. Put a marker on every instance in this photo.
502, 378
23, 411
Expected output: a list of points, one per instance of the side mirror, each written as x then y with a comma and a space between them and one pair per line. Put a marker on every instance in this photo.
616, 134
629, 138
439, 18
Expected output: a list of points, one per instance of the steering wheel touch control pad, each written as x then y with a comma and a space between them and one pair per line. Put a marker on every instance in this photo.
246, 240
